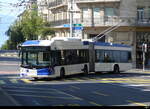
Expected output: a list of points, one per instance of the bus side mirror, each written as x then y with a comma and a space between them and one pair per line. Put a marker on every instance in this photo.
18, 46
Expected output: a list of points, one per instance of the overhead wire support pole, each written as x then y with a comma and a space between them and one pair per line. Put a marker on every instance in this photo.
143, 61
71, 17
144, 49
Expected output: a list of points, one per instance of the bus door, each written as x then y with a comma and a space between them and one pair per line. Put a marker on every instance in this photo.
91, 58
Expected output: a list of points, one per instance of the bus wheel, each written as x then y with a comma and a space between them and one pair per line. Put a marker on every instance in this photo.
116, 69
35, 78
85, 70
62, 73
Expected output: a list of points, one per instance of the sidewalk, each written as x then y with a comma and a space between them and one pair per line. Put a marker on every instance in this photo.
139, 70
10, 73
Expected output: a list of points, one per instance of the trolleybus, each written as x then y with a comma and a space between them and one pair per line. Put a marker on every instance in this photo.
66, 56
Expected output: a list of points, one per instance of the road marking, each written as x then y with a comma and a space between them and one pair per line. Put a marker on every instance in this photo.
70, 95
80, 80
146, 90
85, 78
93, 103
36, 102
30, 88
136, 103
40, 81
73, 105
13, 81
31, 91
71, 90
92, 79
26, 80
60, 105
75, 87
10, 97
72, 79
133, 80
101, 94
25, 95
136, 85
2, 82
112, 82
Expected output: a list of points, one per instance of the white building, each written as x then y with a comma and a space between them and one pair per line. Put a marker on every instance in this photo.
98, 15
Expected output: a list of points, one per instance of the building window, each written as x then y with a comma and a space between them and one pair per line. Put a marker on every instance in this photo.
86, 13
96, 12
110, 12
140, 14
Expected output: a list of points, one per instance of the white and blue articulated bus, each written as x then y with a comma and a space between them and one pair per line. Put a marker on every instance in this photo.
66, 56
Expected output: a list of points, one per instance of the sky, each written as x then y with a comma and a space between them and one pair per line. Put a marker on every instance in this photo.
9, 10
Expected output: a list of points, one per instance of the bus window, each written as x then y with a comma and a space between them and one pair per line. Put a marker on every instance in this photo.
108, 56
56, 58
116, 56
100, 56
124, 56
24, 58
71, 57
83, 56
129, 57
32, 58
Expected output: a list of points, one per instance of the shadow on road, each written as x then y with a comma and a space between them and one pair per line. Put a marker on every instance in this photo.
96, 76
9, 59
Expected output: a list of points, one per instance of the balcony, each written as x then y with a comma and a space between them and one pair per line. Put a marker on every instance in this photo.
143, 22
57, 3
92, 1
87, 22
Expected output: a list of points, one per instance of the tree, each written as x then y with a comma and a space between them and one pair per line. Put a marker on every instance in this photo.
32, 24
29, 27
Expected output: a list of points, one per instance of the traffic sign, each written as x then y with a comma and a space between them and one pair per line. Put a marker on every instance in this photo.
66, 25
77, 28
77, 25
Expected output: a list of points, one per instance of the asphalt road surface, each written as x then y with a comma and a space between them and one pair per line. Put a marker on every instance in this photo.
124, 89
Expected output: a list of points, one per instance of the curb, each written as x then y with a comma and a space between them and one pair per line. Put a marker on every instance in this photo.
139, 70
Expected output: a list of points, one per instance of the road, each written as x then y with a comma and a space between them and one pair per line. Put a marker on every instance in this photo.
124, 89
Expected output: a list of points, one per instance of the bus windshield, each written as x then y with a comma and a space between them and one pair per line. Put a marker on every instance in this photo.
36, 59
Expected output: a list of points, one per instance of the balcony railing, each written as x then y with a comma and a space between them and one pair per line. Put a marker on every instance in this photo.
65, 2
87, 22
143, 22
57, 3
86, 1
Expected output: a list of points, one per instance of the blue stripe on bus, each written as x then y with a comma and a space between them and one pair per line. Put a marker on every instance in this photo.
106, 44
44, 71
35, 42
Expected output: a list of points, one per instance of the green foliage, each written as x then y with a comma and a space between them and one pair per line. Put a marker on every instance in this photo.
45, 32
28, 28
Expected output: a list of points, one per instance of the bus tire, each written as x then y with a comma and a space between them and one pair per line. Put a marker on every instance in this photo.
62, 73
116, 69
85, 70
35, 78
